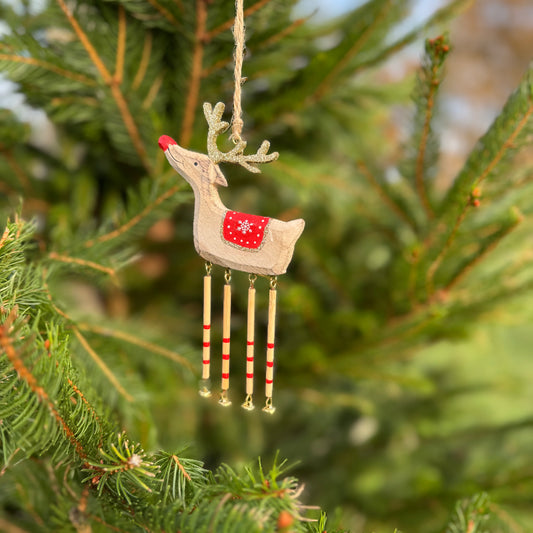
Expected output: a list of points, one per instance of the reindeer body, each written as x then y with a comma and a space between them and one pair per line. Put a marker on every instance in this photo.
271, 257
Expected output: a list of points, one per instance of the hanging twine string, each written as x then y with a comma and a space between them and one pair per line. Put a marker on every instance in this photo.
238, 34
214, 115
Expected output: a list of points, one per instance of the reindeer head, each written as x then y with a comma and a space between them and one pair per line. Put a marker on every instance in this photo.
196, 168
200, 169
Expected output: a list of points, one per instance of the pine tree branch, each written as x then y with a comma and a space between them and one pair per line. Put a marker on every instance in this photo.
30, 508
497, 143
210, 35
84, 39
394, 339
509, 521
324, 86
5, 189
103, 367
166, 13
191, 101
433, 267
133, 221
180, 466
221, 63
83, 341
66, 101
382, 193
122, 468
507, 145
145, 60
5, 236
8, 461
218, 508
108, 526
465, 269
50, 67
422, 153
53, 484
17, 169
90, 408
153, 91
420, 159
522, 261
131, 127
121, 46
24, 373
8, 527
442, 16
66, 484
132, 339
120, 101
279, 36
414, 262
85, 263
80, 525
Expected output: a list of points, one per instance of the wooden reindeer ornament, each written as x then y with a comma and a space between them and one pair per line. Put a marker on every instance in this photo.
258, 245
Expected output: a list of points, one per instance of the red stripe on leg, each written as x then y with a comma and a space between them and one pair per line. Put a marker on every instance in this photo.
249, 376
270, 345
250, 359
269, 381
225, 376
207, 326
225, 356
270, 364
250, 343
226, 340
205, 361
207, 344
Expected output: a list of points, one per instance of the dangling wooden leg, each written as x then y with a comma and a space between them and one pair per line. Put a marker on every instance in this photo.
271, 333
250, 335
205, 384
226, 332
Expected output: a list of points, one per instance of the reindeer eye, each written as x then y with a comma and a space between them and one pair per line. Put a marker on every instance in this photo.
196, 163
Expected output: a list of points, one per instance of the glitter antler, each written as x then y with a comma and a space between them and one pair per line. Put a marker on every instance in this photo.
236, 154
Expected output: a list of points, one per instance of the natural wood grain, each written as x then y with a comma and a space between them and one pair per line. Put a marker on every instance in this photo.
226, 340
206, 356
250, 339
204, 176
271, 336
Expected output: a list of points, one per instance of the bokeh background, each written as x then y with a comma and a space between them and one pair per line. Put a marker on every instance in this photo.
378, 445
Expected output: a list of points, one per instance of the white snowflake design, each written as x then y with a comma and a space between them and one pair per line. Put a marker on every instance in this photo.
245, 227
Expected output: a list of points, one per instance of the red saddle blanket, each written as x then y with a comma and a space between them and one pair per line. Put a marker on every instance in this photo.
244, 231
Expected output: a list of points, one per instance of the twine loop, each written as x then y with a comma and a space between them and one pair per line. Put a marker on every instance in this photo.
237, 122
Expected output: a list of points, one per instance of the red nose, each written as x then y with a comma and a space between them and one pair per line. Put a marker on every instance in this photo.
165, 141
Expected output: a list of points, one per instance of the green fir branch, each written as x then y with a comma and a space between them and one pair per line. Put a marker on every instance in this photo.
391, 283
425, 154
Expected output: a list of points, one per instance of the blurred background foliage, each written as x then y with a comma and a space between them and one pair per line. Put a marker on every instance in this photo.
403, 367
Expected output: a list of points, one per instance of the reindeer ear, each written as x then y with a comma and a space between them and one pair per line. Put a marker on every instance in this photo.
216, 176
